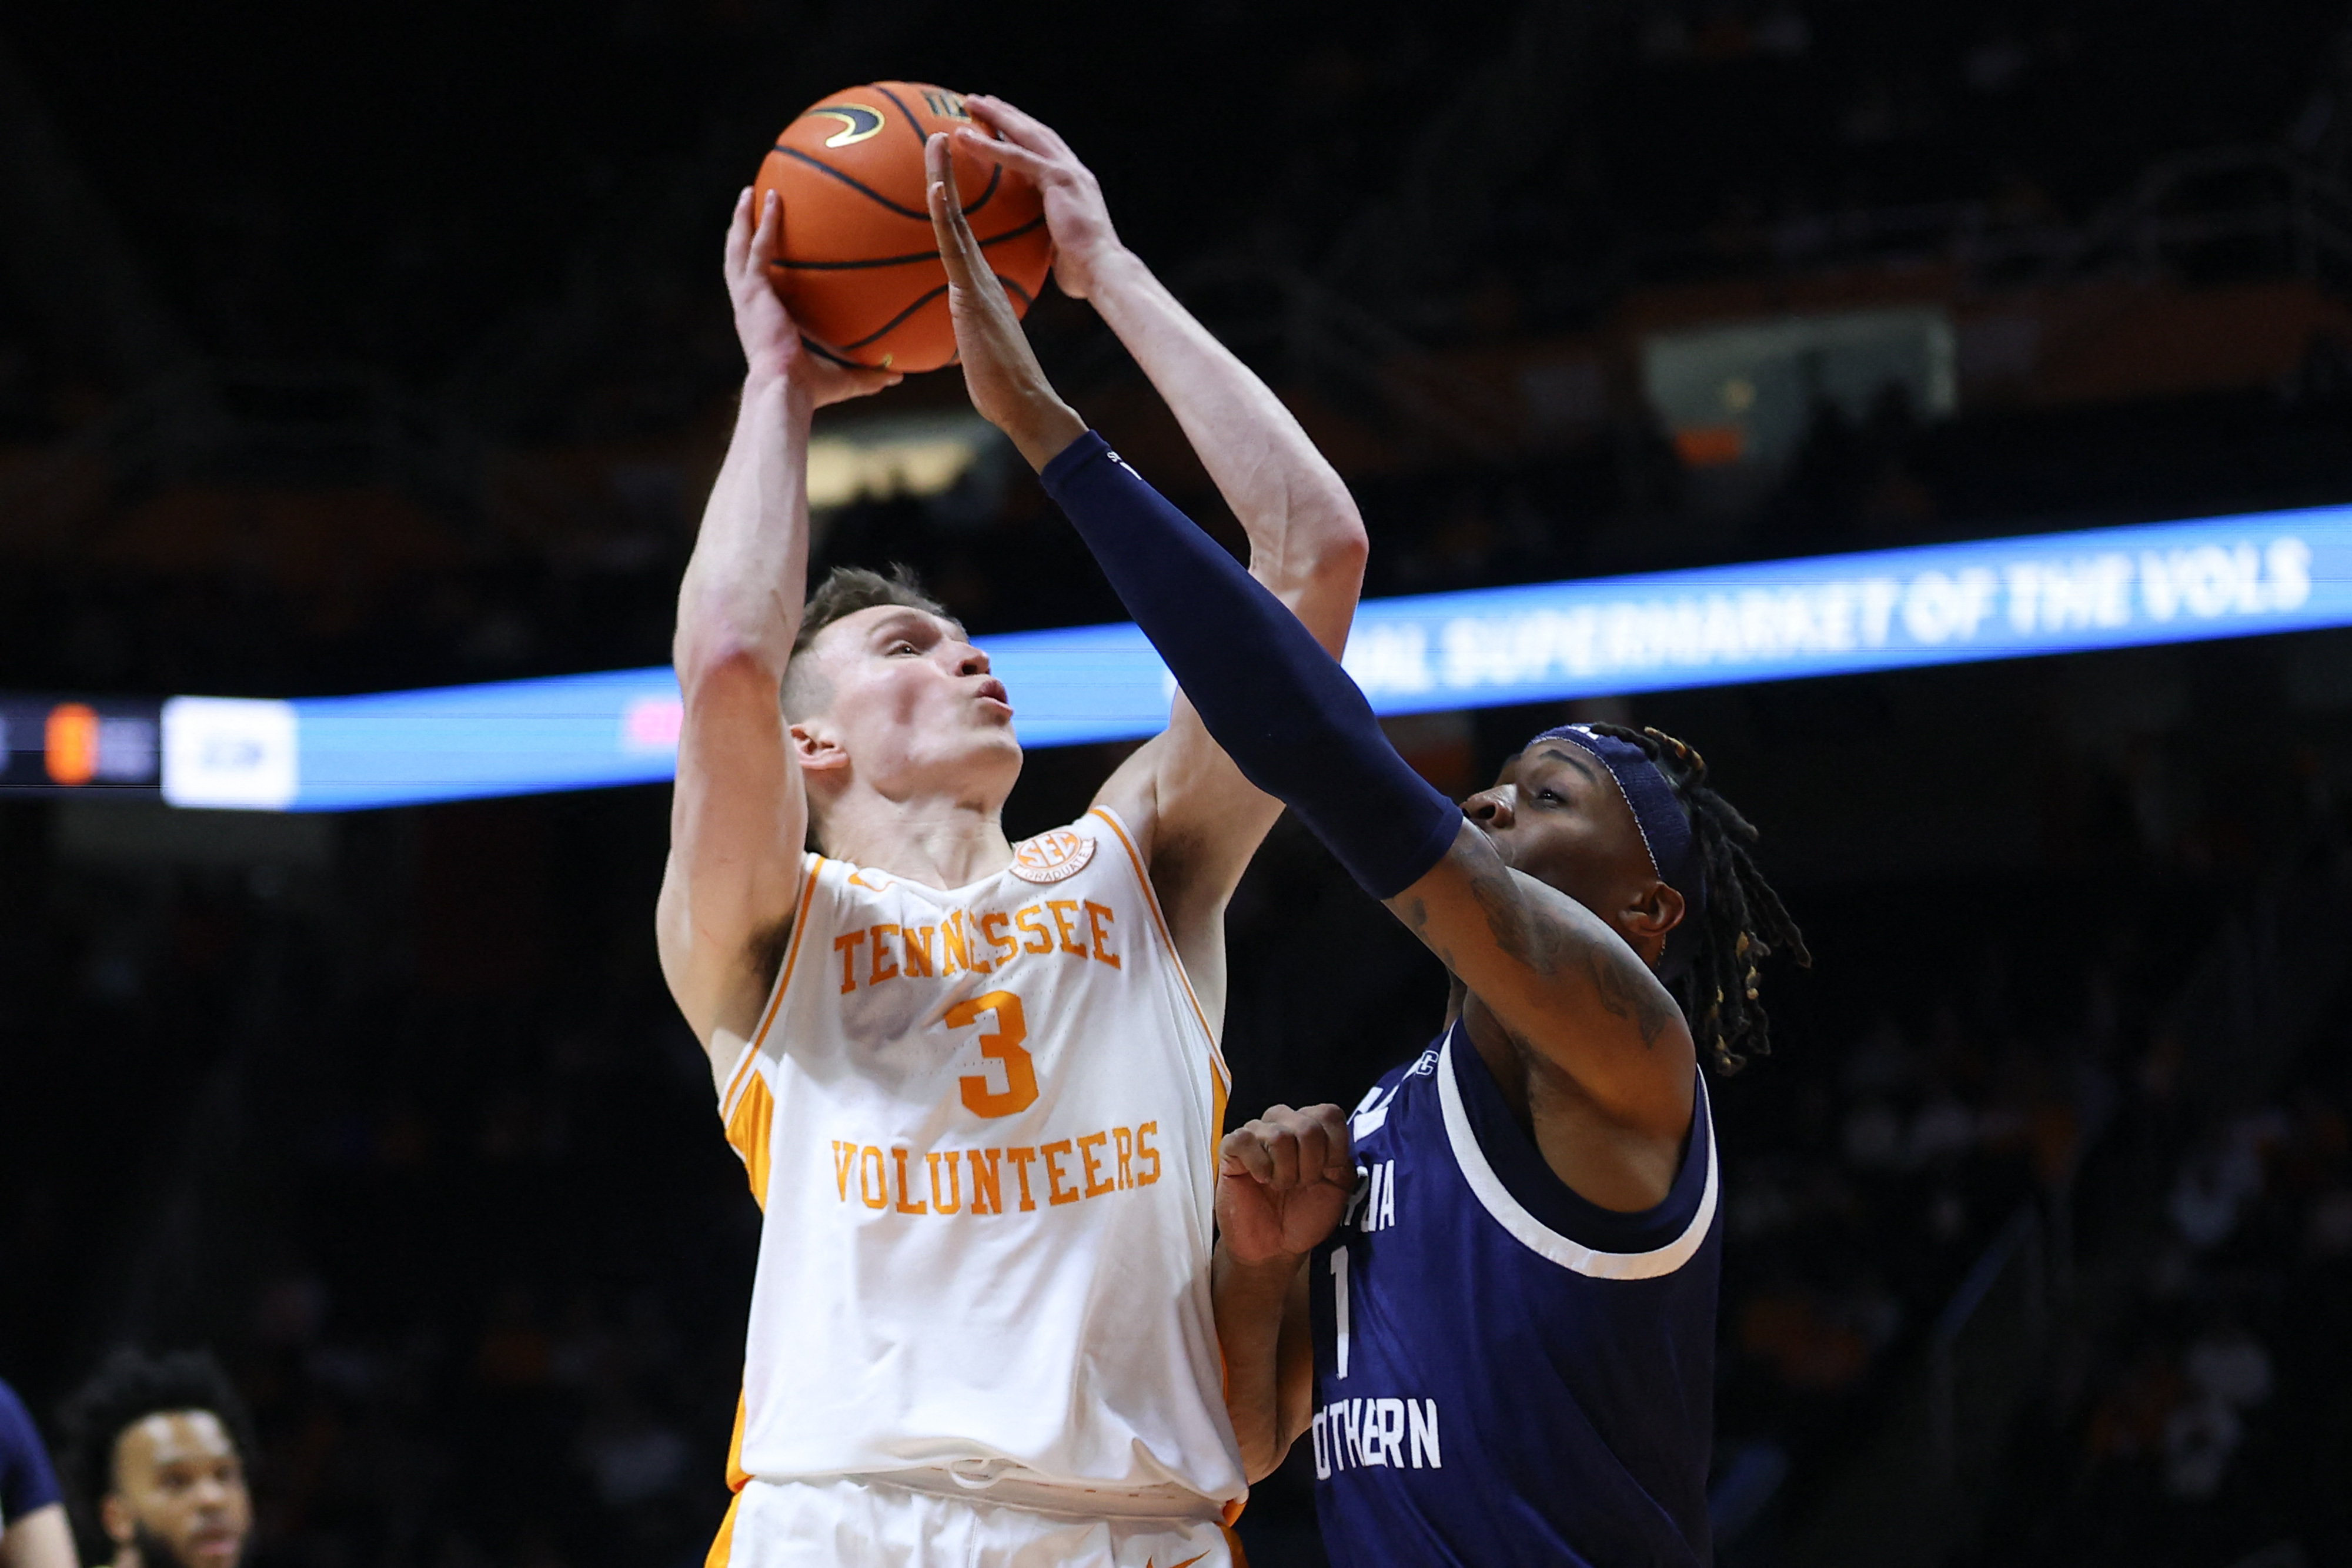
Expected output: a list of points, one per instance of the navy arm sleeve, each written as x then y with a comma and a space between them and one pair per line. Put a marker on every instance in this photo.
1283, 709
27, 1481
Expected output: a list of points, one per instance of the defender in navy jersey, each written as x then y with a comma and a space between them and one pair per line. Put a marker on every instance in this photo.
1509, 1353
1502, 1343
1484, 1336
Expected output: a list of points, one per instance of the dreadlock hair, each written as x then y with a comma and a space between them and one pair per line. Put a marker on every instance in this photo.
1745, 920
129, 1386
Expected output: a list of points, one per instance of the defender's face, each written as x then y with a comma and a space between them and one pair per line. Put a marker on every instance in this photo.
1561, 818
912, 699
178, 1479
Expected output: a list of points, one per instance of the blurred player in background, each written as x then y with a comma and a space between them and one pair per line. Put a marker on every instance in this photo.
33, 1529
975, 1085
156, 1453
1512, 1344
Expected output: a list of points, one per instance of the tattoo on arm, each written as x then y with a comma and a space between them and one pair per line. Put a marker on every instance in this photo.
1524, 933
1624, 996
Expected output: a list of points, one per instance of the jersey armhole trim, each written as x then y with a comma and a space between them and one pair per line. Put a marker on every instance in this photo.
1540, 1238
1158, 919
812, 864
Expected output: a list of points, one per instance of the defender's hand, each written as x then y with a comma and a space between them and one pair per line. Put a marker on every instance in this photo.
1283, 1182
771, 342
1074, 213
999, 369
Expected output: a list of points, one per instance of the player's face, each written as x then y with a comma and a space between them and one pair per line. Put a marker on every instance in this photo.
178, 1485
1558, 816
914, 706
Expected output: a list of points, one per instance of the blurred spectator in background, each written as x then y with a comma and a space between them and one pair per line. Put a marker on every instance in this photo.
156, 1458
33, 1531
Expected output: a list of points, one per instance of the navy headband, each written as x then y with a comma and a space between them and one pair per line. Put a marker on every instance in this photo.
1663, 825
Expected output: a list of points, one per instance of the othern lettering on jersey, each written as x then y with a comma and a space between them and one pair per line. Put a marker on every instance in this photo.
1356, 1434
940, 1183
982, 944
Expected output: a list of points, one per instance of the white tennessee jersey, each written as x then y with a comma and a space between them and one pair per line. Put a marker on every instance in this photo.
983, 1126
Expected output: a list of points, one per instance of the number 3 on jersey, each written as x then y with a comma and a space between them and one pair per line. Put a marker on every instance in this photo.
1003, 1045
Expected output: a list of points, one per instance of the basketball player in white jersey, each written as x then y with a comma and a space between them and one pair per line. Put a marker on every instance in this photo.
975, 1085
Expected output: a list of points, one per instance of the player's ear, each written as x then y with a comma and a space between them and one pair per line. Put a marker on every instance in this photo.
816, 747
1655, 911
115, 1518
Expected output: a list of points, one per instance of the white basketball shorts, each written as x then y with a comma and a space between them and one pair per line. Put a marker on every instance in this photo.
872, 1523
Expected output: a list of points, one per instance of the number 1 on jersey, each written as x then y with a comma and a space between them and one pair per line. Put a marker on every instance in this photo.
1003, 1045
1340, 1308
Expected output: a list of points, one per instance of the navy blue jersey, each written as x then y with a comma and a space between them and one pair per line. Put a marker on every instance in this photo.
1504, 1372
27, 1481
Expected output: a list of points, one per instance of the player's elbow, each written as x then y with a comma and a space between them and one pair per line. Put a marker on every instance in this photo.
1338, 544
723, 661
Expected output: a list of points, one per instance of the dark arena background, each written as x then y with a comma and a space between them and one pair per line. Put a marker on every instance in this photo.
362, 350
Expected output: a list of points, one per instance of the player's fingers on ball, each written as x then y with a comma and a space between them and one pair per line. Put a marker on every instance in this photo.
769, 237
1009, 153
739, 234
1018, 124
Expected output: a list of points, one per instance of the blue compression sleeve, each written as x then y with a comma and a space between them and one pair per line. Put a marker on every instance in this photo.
1283, 710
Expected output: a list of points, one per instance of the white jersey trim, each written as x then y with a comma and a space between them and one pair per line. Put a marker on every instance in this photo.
1541, 1238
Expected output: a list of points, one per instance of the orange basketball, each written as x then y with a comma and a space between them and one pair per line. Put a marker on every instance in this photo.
860, 272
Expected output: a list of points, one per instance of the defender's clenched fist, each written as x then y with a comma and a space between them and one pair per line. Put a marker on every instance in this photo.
1283, 1181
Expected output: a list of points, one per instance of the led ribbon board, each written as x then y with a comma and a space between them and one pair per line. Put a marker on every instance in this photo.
1766, 620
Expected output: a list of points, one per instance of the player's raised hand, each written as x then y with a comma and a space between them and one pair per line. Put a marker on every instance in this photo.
1283, 1182
1000, 372
1074, 213
772, 342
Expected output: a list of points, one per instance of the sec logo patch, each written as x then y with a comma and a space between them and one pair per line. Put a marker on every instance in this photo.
1053, 857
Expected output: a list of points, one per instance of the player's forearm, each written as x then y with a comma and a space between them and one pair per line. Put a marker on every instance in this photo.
1249, 1299
743, 586
1275, 700
1304, 529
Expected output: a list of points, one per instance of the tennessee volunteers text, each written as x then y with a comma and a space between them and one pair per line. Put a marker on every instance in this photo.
933, 1182
984, 944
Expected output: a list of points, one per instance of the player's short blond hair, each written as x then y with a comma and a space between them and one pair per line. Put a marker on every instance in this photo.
845, 591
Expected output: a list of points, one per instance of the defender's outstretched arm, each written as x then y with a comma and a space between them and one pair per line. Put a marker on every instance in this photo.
738, 813
1557, 977
1200, 818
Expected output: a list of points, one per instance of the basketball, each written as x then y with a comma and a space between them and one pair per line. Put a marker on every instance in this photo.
860, 271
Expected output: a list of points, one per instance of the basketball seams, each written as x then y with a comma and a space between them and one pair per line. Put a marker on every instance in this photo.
899, 320
854, 182
995, 177
922, 137
840, 290
906, 260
